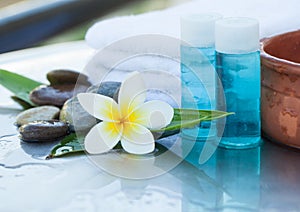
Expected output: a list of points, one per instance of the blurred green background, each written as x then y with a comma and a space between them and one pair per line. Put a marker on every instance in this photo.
78, 33
132, 8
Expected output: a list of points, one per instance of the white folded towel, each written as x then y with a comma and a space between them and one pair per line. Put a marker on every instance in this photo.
275, 16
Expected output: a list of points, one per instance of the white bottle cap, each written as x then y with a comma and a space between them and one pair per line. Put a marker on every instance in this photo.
237, 35
198, 30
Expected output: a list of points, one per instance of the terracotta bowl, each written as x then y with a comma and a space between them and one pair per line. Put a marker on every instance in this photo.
280, 97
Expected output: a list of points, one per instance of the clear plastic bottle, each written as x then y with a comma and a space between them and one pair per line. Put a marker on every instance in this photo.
198, 69
238, 67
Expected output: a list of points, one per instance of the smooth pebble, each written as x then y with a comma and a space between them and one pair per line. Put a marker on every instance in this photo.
64, 76
37, 114
76, 116
108, 88
78, 119
55, 95
42, 131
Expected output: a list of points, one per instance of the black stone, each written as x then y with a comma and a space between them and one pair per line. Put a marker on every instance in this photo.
108, 88
59, 77
55, 95
41, 131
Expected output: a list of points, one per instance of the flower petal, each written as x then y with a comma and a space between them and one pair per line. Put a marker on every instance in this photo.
99, 106
138, 149
132, 93
102, 137
153, 114
136, 133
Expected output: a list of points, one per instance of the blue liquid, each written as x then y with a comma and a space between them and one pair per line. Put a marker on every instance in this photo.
198, 87
240, 76
238, 171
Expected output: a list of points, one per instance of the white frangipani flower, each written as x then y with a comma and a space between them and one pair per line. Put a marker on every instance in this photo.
127, 121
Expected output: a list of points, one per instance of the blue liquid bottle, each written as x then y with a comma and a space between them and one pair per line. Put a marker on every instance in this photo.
238, 67
198, 70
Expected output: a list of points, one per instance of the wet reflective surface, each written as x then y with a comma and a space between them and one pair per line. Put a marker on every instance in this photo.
264, 178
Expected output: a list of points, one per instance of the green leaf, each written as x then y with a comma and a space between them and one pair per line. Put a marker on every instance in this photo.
21, 102
182, 118
19, 85
187, 118
70, 144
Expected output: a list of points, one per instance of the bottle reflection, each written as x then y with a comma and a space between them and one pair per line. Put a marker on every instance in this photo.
236, 176
191, 151
238, 171
203, 194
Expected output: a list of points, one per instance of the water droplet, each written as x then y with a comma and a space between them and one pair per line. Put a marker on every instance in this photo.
64, 149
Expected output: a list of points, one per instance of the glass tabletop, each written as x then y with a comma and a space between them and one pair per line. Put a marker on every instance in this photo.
263, 178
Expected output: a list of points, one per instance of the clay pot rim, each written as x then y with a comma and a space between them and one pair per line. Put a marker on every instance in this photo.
276, 63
